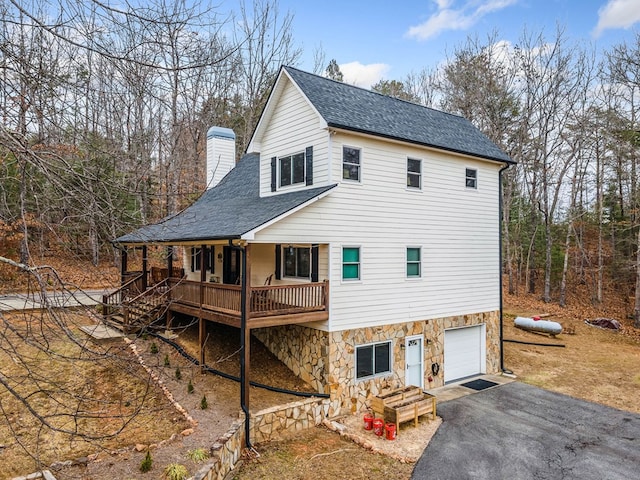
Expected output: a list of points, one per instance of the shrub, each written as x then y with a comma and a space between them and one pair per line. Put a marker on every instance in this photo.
203, 403
154, 348
175, 471
146, 464
198, 455
190, 387
178, 373
166, 361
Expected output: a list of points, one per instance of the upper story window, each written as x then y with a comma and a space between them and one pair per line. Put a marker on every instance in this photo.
351, 263
292, 169
351, 163
295, 169
414, 173
297, 262
413, 262
471, 178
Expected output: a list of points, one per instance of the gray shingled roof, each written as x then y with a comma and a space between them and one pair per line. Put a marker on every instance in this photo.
351, 108
228, 210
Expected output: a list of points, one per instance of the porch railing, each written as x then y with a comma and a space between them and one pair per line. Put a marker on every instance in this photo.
264, 300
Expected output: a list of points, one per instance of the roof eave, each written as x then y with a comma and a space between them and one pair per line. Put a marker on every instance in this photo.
184, 241
415, 142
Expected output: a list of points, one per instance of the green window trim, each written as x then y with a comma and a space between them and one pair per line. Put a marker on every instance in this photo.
351, 263
414, 262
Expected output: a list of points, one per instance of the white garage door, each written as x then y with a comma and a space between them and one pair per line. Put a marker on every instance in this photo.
464, 352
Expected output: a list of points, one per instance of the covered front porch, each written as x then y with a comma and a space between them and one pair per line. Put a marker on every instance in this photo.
271, 284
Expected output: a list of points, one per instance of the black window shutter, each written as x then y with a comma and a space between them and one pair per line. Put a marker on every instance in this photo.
273, 173
193, 259
278, 261
309, 166
314, 263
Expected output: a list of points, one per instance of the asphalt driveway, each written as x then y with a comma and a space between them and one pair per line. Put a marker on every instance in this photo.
517, 431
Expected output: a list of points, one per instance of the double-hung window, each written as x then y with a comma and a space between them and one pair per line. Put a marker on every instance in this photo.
297, 262
471, 178
414, 173
196, 258
351, 263
414, 269
373, 359
351, 163
292, 169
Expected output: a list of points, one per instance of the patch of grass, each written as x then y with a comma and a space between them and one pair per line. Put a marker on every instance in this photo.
154, 348
203, 403
178, 373
198, 455
167, 363
176, 471
190, 387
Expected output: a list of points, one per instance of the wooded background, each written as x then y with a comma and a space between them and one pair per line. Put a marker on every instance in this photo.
105, 114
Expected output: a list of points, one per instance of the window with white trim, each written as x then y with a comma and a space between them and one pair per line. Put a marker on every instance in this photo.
351, 263
414, 264
351, 163
471, 178
373, 359
296, 262
414, 173
292, 169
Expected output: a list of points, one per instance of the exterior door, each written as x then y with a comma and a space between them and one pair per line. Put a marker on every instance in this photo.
414, 372
231, 266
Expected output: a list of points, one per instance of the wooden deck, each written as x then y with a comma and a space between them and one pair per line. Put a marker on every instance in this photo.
268, 305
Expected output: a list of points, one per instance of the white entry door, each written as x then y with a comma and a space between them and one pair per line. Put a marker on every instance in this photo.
464, 352
414, 372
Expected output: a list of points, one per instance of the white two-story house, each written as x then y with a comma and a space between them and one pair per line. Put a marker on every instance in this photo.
358, 239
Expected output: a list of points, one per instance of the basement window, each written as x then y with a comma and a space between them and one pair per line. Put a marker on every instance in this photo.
373, 360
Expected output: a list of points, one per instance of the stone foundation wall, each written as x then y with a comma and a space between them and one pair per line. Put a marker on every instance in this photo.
285, 420
327, 360
269, 424
304, 350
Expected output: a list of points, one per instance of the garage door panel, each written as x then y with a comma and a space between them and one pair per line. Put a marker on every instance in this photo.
463, 352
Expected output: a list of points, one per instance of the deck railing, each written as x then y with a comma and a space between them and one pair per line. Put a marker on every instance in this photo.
264, 301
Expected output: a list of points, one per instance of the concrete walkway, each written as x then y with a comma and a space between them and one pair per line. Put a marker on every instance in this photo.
454, 390
34, 301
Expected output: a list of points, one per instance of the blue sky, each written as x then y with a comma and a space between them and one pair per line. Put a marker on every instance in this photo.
377, 39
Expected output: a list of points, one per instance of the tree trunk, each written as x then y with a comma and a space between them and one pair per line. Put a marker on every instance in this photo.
636, 310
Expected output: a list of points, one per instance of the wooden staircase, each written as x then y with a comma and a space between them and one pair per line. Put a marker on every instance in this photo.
130, 313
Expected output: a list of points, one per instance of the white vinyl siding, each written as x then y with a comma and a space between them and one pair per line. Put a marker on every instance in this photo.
458, 235
292, 128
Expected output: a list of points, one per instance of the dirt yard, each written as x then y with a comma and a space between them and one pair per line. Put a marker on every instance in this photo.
594, 364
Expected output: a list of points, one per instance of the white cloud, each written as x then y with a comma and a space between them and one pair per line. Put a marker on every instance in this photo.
361, 75
617, 14
461, 18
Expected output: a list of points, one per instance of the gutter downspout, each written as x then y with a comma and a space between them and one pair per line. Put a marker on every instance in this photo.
500, 224
243, 366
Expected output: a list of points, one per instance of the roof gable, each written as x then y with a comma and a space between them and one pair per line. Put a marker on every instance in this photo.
355, 109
